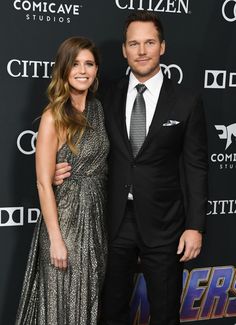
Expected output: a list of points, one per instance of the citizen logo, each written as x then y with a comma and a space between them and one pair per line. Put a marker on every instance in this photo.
219, 79
29, 69
224, 207
17, 216
43, 11
227, 133
172, 71
168, 6
229, 10
26, 142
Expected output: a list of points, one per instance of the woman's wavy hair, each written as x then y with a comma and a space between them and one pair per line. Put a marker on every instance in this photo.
67, 119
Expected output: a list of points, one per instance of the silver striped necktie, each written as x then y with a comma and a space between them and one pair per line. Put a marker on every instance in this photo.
138, 120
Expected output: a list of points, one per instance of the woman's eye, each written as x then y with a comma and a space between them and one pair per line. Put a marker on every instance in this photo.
90, 64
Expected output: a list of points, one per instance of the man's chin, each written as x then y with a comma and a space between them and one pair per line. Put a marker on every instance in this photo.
145, 74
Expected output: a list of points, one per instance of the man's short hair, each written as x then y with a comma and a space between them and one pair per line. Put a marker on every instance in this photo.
144, 16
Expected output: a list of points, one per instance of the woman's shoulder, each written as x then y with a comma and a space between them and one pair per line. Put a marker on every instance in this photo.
97, 108
96, 103
47, 118
47, 114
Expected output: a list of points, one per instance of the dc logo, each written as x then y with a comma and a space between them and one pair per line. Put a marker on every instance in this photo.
226, 10
217, 79
227, 132
14, 216
173, 70
26, 142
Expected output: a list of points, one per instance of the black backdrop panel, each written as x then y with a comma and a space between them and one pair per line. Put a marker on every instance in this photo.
201, 51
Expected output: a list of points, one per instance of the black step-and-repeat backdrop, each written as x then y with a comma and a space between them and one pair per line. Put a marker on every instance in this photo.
201, 54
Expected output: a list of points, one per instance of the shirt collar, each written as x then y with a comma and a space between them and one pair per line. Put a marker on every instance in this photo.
152, 84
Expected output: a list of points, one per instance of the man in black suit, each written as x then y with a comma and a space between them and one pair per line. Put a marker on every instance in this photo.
155, 212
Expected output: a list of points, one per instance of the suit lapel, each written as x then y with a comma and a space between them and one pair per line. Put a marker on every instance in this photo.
163, 108
162, 112
120, 111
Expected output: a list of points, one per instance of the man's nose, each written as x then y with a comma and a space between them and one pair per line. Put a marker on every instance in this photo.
142, 49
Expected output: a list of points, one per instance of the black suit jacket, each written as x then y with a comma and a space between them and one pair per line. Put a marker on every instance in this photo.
155, 172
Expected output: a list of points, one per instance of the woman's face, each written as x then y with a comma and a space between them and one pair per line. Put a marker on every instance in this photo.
83, 72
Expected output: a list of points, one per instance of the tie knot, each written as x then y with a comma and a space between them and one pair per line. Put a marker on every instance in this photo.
141, 88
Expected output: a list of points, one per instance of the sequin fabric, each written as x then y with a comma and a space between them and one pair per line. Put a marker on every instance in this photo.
54, 297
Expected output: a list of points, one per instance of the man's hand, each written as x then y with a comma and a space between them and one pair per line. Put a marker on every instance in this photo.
190, 244
62, 171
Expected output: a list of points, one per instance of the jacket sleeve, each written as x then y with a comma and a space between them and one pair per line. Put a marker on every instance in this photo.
195, 164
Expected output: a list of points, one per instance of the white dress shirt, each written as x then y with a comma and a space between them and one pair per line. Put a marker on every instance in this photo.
150, 95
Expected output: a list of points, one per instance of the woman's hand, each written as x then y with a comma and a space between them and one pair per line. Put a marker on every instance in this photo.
59, 254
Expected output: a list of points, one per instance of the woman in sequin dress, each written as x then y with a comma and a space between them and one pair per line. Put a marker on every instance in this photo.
66, 264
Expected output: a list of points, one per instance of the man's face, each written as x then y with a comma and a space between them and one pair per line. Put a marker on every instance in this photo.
143, 49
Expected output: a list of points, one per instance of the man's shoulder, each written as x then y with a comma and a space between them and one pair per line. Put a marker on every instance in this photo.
117, 84
186, 99
110, 88
181, 91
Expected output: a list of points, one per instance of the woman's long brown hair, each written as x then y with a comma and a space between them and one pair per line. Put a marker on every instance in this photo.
67, 119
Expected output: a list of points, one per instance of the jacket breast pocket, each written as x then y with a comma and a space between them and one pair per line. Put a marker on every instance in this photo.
172, 133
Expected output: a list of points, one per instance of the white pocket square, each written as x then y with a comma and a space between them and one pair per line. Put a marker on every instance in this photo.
170, 123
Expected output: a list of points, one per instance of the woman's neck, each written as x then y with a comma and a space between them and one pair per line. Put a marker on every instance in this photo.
78, 101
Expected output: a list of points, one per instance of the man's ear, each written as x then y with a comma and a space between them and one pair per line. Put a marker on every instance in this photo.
163, 47
124, 51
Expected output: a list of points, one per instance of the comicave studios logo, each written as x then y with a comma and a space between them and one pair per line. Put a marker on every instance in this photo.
219, 79
18, 216
169, 6
42, 11
229, 10
228, 135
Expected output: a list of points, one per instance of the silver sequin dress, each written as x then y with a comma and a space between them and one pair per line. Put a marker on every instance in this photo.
54, 297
